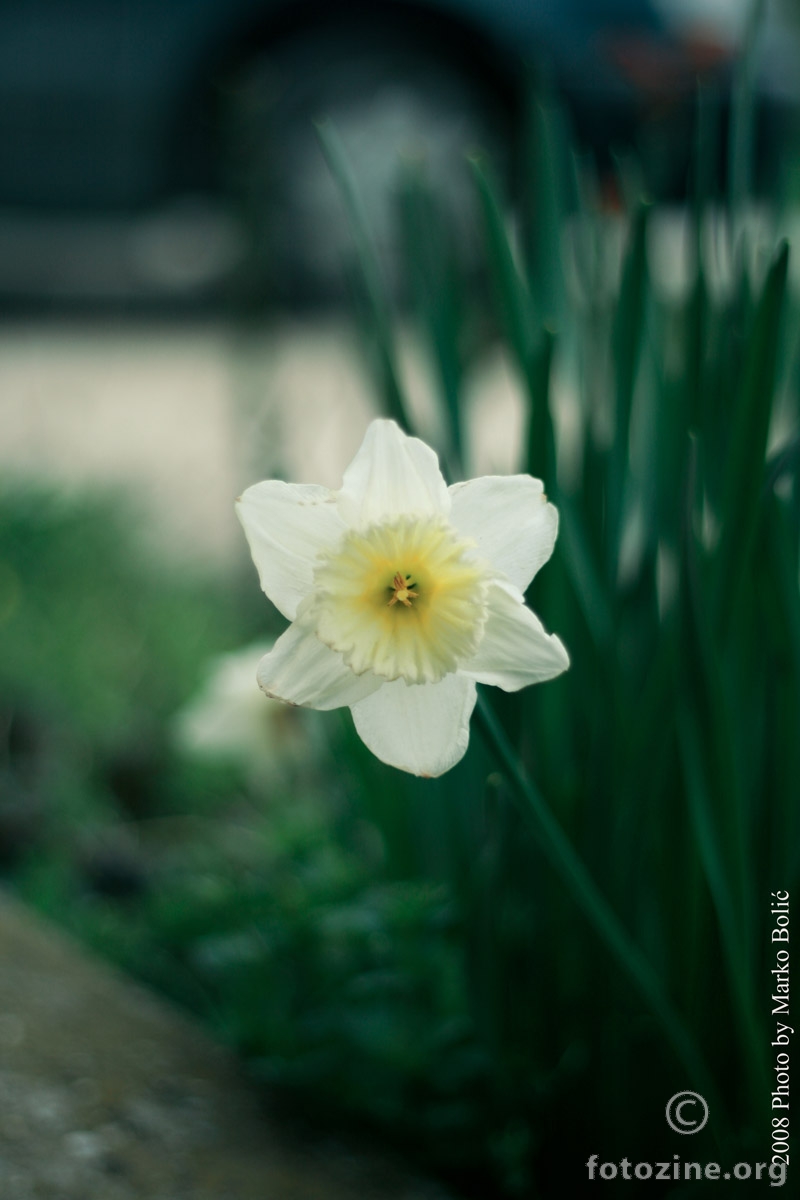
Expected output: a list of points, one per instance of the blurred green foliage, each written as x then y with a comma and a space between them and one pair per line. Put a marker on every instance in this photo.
303, 911
661, 774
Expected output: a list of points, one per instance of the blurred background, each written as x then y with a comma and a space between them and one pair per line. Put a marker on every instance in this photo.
164, 156
194, 295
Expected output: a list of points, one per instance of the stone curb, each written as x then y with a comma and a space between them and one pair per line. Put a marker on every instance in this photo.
106, 1093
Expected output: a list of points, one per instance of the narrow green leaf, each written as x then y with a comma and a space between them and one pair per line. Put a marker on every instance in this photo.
512, 294
540, 448
435, 285
545, 179
744, 472
778, 541
678, 411
706, 155
699, 678
583, 574
742, 128
626, 347
708, 844
785, 461
375, 292
591, 901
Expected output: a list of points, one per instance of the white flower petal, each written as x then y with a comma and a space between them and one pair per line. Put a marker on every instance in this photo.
511, 521
515, 650
391, 475
301, 670
421, 728
286, 526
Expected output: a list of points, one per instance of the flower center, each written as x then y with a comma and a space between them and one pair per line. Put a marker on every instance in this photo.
402, 591
405, 599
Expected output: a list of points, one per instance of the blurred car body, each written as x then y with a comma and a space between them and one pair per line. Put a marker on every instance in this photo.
122, 119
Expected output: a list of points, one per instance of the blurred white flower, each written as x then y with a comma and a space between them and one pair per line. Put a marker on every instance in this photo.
229, 719
403, 593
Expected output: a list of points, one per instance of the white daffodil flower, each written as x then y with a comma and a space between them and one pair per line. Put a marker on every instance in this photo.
229, 719
403, 593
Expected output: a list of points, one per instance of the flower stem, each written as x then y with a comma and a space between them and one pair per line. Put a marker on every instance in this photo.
568, 865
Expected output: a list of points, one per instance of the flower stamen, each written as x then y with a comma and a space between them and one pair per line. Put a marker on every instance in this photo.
402, 591
405, 599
